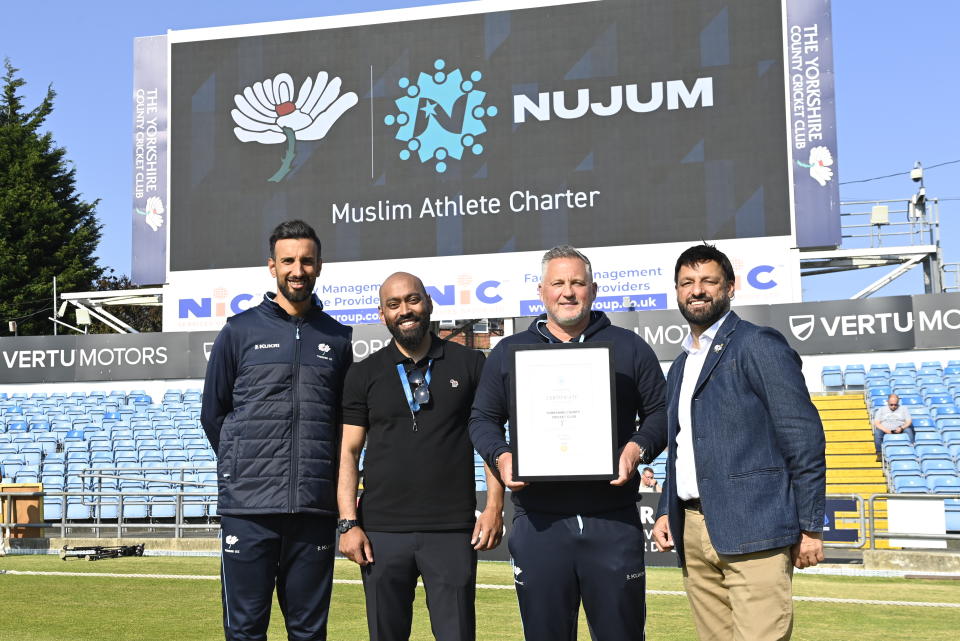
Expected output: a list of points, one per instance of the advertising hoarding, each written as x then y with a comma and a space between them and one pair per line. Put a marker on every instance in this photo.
149, 258
467, 133
484, 286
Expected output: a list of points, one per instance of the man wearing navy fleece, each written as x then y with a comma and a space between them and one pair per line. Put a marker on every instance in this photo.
577, 540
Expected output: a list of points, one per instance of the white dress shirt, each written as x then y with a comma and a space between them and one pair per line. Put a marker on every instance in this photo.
686, 464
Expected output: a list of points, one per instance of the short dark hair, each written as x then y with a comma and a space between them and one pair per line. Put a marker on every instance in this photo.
648, 469
292, 229
693, 256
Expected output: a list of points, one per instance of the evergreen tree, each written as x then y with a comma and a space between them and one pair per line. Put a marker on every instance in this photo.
46, 230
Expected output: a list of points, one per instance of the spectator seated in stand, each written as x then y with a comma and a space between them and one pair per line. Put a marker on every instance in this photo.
891, 419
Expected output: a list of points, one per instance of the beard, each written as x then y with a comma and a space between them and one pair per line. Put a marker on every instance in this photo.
295, 296
707, 315
570, 321
410, 338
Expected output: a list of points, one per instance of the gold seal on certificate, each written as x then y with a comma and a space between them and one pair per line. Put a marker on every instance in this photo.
563, 424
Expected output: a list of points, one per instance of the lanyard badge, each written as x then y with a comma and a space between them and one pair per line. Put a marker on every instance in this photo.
416, 396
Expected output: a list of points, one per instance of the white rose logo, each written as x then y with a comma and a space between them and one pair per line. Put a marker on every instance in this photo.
153, 212
266, 113
820, 162
231, 540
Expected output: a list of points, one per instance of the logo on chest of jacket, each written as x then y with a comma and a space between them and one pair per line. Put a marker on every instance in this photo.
323, 350
266, 346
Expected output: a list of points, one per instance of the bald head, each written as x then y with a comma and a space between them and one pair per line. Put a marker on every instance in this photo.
405, 309
401, 281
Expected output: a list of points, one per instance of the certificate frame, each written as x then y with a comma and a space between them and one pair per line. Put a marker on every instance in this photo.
577, 441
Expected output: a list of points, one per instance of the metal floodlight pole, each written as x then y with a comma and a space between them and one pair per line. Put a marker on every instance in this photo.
54, 305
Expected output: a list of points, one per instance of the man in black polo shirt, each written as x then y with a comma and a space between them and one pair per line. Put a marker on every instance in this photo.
410, 402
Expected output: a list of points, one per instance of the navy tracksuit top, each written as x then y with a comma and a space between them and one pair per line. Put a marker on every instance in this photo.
271, 403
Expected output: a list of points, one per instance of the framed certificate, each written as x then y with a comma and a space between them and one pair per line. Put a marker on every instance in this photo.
563, 415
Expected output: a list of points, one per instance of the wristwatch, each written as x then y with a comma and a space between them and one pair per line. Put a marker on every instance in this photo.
345, 525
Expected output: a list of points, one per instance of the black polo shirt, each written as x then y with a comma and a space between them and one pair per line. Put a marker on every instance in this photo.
415, 479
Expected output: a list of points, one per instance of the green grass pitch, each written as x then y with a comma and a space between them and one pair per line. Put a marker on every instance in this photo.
91, 608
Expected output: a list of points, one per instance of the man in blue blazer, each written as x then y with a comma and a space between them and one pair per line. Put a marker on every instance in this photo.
744, 498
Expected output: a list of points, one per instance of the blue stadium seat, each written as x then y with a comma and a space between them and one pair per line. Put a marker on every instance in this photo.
52, 508
162, 507
943, 483
194, 503
953, 522
77, 510
32, 454
928, 379
927, 438
54, 467
910, 484
78, 456
936, 466
101, 456
931, 452
107, 508
937, 388
854, 376
905, 466
134, 507
944, 411
17, 426
897, 439
902, 380
832, 377
899, 453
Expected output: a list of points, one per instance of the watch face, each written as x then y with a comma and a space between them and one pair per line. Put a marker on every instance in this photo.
344, 526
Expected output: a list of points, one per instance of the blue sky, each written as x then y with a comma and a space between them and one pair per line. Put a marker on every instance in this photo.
895, 65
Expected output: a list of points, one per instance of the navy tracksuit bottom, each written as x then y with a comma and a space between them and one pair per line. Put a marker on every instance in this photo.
559, 560
292, 552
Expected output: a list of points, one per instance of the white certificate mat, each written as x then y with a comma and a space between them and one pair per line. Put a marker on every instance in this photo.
563, 421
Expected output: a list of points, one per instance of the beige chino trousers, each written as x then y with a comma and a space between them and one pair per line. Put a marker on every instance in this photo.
741, 597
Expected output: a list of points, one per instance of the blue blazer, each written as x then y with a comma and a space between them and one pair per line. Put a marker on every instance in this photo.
758, 443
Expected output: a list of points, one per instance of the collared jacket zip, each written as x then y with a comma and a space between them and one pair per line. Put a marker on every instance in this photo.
295, 440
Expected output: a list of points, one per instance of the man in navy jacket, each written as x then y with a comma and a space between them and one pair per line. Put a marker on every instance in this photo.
744, 499
574, 540
271, 404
